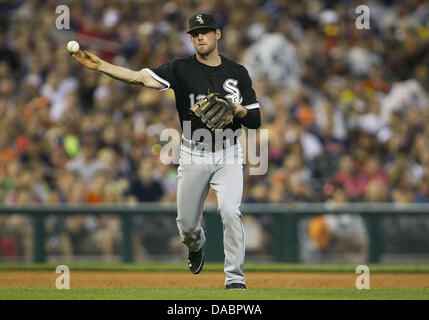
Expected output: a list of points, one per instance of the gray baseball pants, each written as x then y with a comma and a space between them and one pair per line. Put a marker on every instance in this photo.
223, 171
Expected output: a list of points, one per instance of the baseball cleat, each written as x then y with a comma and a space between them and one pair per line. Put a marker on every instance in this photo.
236, 286
196, 261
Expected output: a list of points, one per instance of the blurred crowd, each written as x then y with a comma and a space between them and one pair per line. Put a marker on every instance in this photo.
346, 108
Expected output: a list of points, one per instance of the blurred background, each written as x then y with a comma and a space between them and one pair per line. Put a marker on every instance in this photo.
347, 113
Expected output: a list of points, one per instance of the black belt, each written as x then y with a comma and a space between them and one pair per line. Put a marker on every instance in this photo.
202, 145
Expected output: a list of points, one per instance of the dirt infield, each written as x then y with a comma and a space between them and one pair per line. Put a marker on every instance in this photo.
104, 279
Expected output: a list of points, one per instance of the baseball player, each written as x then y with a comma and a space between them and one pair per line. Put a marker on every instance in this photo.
192, 78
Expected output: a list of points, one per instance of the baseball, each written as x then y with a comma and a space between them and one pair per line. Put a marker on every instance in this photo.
72, 46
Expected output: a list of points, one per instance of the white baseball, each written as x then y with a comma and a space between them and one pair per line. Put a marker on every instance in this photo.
72, 46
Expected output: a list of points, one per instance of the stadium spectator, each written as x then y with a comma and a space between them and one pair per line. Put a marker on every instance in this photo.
376, 191
347, 177
86, 164
343, 234
145, 187
422, 194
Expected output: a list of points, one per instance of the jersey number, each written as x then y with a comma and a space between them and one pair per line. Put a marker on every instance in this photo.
192, 98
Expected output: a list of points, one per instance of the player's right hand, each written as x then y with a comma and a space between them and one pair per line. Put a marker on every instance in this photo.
88, 59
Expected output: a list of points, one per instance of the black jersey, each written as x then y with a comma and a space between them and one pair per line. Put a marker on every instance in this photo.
192, 80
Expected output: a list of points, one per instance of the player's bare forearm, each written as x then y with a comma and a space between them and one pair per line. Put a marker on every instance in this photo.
92, 61
141, 77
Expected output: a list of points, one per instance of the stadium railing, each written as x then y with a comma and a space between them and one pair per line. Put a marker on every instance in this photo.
286, 218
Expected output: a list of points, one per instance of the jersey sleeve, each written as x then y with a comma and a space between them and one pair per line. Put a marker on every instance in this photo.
248, 94
164, 74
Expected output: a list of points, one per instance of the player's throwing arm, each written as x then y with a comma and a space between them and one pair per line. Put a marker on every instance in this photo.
93, 62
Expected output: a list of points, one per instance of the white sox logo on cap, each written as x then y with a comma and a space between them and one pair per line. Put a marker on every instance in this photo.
199, 19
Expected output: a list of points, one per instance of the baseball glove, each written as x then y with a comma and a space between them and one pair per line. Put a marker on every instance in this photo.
215, 111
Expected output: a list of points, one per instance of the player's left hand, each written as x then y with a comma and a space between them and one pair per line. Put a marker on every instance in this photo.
240, 111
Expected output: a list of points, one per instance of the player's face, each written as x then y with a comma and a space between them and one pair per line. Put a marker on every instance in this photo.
205, 40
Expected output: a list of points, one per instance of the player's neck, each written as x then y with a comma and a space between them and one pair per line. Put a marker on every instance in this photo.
212, 59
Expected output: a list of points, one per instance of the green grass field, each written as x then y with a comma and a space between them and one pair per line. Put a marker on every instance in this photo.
209, 294
36, 293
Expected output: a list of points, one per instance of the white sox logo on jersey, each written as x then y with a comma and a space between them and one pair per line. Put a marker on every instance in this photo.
231, 86
199, 19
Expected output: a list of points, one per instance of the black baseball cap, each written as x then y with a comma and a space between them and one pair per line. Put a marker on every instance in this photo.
202, 21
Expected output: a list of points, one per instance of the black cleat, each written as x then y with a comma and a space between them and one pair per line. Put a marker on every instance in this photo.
196, 261
236, 286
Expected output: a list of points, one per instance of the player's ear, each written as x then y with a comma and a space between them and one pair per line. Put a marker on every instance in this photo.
218, 34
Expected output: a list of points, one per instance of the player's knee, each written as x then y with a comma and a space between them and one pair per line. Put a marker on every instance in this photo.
186, 227
229, 213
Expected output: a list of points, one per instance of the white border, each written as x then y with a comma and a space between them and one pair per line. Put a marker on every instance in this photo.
158, 78
252, 106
